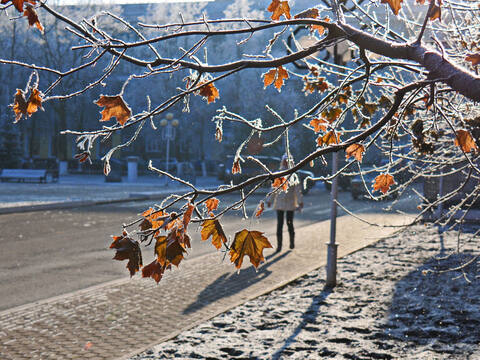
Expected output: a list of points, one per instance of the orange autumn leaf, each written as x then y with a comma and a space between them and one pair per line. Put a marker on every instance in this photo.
395, 5
465, 141
34, 102
18, 3
214, 229
19, 105
169, 249
280, 182
115, 107
318, 125
383, 182
161, 249
32, 17
152, 219
211, 204
328, 139
436, 11
320, 29
308, 14
154, 270
187, 215
23, 107
279, 8
249, 243
127, 249
276, 77
355, 150
473, 58
210, 92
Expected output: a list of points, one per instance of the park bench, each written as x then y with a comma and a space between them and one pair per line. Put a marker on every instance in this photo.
22, 175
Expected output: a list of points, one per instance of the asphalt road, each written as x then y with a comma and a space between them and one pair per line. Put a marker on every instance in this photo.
44, 254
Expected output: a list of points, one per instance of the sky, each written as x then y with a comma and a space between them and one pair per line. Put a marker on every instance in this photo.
119, 2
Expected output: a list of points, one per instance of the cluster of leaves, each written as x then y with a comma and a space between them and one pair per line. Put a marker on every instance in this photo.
169, 230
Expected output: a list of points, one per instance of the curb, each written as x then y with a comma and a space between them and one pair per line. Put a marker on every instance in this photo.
83, 203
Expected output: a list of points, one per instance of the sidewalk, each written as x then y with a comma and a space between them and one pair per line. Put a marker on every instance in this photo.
122, 318
84, 190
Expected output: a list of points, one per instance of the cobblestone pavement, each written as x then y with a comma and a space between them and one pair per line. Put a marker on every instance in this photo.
121, 318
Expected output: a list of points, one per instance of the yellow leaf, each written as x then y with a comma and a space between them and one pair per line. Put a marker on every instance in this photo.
249, 243
214, 229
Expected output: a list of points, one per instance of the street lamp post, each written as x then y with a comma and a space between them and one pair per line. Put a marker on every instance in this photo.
168, 133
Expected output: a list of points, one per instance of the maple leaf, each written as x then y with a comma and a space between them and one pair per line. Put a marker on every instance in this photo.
383, 182
280, 182
154, 270
395, 5
355, 150
473, 58
152, 219
127, 249
213, 228
465, 141
328, 139
34, 102
260, 208
115, 107
276, 77
19, 3
19, 105
279, 8
211, 204
318, 125
210, 92
249, 243
318, 84
332, 114
308, 14
32, 17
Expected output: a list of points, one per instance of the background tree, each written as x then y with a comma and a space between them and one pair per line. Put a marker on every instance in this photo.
407, 94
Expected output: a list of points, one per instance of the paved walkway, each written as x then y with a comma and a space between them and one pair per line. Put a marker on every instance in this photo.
121, 318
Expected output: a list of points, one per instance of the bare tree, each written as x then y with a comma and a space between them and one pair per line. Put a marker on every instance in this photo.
407, 88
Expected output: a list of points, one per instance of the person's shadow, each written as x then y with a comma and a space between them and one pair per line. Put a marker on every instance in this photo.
229, 284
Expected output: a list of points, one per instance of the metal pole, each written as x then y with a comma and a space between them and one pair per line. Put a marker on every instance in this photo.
167, 131
331, 280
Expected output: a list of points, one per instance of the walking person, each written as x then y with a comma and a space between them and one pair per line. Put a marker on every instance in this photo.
285, 203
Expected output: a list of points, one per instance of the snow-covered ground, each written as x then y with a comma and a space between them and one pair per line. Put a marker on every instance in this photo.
394, 301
